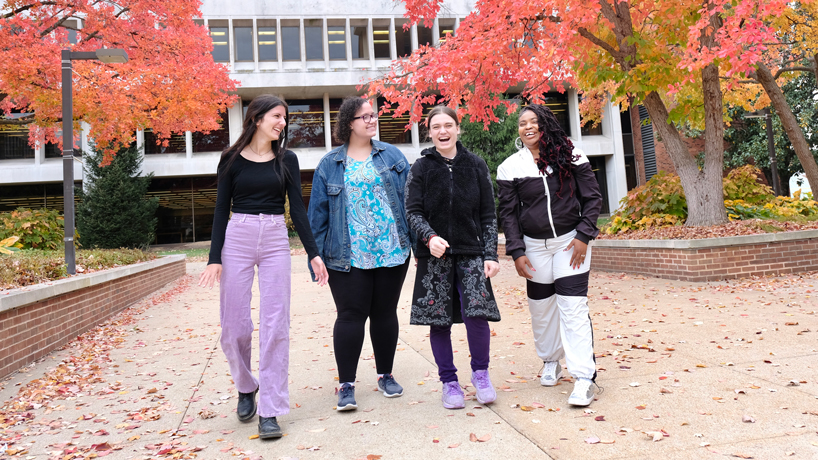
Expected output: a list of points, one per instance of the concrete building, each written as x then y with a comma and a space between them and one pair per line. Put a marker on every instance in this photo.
313, 53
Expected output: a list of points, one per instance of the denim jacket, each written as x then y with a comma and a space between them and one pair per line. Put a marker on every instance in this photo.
327, 212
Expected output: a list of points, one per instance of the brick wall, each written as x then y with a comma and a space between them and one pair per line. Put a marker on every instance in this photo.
710, 264
30, 332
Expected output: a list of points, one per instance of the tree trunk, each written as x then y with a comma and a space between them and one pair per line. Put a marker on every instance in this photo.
705, 197
790, 123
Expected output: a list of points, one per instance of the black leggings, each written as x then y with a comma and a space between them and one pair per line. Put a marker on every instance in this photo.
361, 294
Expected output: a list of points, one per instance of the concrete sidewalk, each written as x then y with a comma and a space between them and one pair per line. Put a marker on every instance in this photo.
708, 370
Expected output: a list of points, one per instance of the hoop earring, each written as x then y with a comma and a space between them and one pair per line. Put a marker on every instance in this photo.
518, 143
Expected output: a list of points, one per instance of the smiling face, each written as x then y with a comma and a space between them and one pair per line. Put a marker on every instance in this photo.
444, 130
272, 123
529, 130
362, 129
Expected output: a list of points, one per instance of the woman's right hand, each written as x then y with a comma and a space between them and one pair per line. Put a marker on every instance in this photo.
437, 246
212, 273
521, 264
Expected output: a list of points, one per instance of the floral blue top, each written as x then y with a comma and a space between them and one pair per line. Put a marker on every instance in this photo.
372, 229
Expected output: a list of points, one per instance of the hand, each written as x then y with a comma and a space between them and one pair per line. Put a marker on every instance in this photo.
211, 273
320, 270
578, 257
491, 268
521, 264
437, 246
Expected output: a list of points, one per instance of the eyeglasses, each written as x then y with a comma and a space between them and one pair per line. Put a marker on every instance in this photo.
367, 118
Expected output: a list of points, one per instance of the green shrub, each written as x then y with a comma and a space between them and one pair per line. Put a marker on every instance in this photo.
28, 267
743, 184
37, 228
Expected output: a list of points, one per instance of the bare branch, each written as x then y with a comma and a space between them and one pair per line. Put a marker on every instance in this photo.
26, 8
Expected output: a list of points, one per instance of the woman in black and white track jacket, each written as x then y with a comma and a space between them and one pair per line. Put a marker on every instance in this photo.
549, 205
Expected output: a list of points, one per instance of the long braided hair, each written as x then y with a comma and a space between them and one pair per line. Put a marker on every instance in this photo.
556, 149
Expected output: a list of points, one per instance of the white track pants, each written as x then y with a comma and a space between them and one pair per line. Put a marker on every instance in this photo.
558, 301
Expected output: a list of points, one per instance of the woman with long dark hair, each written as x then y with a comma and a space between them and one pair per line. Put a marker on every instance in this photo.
450, 205
255, 177
359, 222
549, 204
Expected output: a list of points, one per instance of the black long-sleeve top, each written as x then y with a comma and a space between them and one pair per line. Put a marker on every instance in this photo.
255, 188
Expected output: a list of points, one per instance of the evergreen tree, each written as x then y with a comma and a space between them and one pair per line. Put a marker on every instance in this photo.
494, 144
115, 211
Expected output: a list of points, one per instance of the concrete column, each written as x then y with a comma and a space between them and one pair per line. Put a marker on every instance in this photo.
393, 46
255, 43
234, 121
303, 38
188, 145
573, 115
278, 43
39, 153
415, 136
231, 44
414, 34
325, 43
614, 165
436, 33
348, 44
327, 125
374, 102
371, 43
140, 140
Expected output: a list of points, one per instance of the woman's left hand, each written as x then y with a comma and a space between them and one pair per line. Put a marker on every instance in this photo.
491, 268
320, 270
578, 257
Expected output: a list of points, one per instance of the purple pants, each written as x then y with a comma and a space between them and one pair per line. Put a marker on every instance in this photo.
257, 240
478, 335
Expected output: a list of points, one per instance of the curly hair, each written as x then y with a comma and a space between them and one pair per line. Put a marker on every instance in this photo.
556, 149
346, 115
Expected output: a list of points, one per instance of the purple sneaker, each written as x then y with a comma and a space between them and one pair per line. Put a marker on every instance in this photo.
453, 396
485, 390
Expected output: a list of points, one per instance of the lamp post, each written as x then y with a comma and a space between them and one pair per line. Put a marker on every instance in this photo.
104, 55
767, 115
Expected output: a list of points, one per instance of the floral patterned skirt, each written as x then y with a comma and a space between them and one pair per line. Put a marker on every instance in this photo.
436, 291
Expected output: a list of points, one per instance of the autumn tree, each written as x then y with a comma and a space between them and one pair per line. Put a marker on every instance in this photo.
170, 83
652, 52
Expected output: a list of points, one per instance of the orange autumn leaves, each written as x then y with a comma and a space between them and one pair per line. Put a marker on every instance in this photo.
170, 83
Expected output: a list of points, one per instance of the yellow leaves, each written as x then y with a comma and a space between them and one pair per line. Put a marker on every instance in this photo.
7, 246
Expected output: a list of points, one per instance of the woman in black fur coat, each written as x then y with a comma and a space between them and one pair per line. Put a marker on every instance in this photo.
450, 206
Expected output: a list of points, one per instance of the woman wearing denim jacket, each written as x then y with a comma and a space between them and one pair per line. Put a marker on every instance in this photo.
358, 218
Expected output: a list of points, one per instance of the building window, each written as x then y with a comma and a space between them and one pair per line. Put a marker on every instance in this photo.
14, 144
423, 130
221, 41
558, 103
313, 31
360, 38
243, 36
380, 38
216, 141
306, 123
393, 130
290, 40
176, 144
267, 40
445, 27
588, 129
403, 38
424, 35
336, 38
52, 150
334, 105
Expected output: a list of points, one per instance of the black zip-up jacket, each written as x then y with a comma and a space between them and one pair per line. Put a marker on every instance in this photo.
535, 205
453, 202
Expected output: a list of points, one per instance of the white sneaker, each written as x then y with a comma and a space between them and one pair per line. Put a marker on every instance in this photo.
551, 373
583, 393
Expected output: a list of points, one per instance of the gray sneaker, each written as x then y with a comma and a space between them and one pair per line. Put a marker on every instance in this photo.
346, 398
583, 393
551, 373
389, 386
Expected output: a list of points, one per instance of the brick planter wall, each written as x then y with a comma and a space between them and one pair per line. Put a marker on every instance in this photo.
37, 320
710, 259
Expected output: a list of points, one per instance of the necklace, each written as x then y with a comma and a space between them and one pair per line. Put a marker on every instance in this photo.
261, 155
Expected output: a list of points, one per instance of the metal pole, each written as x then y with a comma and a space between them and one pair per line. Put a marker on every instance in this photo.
771, 151
68, 161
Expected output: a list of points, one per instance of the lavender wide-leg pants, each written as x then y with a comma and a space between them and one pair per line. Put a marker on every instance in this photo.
257, 240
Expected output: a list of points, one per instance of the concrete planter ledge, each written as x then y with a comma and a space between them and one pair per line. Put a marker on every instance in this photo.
35, 320
709, 242
14, 298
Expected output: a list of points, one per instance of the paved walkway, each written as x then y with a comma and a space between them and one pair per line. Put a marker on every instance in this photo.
712, 370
